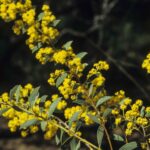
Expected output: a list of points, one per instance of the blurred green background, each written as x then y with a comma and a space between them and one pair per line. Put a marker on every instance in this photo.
114, 30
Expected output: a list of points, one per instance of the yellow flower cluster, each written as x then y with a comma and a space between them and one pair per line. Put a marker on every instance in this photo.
54, 76
43, 55
39, 29
75, 66
51, 129
97, 68
133, 114
146, 63
29, 17
84, 114
62, 104
98, 81
118, 96
17, 118
68, 58
60, 56
9, 9
19, 112
67, 88
96, 71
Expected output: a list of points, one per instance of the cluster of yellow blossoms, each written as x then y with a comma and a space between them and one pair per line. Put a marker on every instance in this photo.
39, 28
19, 111
43, 55
84, 114
146, 63
96, 71
41, 33
71, 86
135, 116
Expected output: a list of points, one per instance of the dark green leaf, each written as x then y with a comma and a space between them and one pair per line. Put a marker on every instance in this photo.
129, 146
67, 139
53, 106
3, 111
82, 54
67, 45
29, 123
61, 79
100, 134
61, 135
74, 117
79, 102
17, 108
103, 100
43, 125
107, 112
94, 118
118, 138
34, 96
79, 124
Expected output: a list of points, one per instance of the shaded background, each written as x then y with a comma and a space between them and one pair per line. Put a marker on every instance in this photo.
117, 31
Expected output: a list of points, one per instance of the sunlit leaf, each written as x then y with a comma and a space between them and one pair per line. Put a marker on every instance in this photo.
43, 98
94, 118
18, 93
118, 138
13, 91
142, 112
36, 48
79, 102
43, 125
34, 96
56, 22
129, 146
67, 45
40, 16
29, 123
90, 89
82, 54
61, 79
107, 112
100, 135
53, 106
74, 117
74, 145
57, 139
103, 100
61, 135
